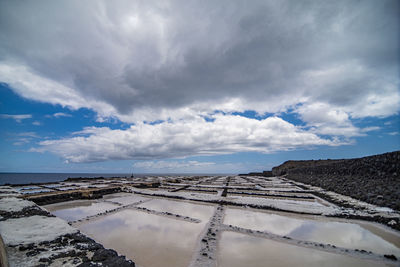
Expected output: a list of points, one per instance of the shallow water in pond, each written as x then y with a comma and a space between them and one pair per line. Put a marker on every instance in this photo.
124, 198
237, 250
149, 240
202, 212
342, 234
78, 209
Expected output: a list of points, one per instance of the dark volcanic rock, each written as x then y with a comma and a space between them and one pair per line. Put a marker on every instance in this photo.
109, 257
80, 246
373, 179
103, 254
25, 212
264, 173
67, 196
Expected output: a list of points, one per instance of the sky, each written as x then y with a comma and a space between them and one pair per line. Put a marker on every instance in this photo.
195, 86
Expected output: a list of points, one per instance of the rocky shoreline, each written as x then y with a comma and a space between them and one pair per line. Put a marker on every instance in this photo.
374, 179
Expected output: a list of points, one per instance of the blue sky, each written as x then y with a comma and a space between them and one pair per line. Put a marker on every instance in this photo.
197, 88
19, 137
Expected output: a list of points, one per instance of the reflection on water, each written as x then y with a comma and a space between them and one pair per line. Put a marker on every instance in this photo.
202, 212
124, 198
150, 240
237, 250
76, 210
349, 235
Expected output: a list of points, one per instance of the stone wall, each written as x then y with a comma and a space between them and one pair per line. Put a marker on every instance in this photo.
264, 173
373, 179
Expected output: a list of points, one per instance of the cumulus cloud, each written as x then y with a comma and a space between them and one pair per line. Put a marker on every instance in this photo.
143, 60
327, 120
17, 117
30, 85
224, 134
178, 61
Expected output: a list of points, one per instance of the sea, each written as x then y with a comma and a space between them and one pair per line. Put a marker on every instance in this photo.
27, 178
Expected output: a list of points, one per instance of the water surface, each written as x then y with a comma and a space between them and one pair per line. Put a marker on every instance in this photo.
124, 198
202, 212
238, 250
149, 240
78, 209
342, 234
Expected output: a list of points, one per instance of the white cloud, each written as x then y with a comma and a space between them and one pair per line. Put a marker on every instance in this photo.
327, 120
27, 134
17, 117
226, 134
143, 60
33, 86
354, 89
23, 138
137, 61
58, 115
37, 123
22, 141
61, 114
370, 129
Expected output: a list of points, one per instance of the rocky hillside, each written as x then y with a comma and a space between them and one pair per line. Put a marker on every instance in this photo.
373, 179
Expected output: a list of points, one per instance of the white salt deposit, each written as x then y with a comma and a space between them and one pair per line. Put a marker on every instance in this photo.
13, 204
34, 229
7, 191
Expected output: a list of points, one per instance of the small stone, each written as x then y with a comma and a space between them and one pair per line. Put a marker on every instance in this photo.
390, 257
103, 254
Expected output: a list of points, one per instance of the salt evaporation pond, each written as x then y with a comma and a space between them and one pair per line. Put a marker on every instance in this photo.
202, 212
238, 250
124, 198
342, 234
157, 231
150, 240
78, 209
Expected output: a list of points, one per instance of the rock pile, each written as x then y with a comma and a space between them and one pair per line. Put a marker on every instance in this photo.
374, 179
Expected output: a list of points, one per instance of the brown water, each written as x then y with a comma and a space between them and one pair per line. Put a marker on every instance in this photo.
342, 234
202, 212
238, 250
149, 240
78, 209
124, 198
153, 240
